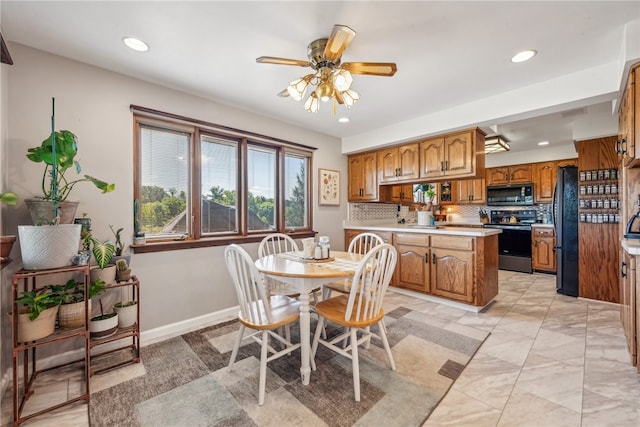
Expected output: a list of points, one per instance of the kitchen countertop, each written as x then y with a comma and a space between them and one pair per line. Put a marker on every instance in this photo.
632, 247
449, 229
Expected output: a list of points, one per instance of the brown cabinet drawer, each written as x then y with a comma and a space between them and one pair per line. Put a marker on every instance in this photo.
543, 232
452, 242
415, 239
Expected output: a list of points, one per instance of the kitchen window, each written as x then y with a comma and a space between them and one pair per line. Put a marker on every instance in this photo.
203, 186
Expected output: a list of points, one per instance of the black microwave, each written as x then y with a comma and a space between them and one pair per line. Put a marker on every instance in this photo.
510, 195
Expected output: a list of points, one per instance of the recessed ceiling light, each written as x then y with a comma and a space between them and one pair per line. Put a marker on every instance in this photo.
343, 119
135, 44
525, 55
543, 143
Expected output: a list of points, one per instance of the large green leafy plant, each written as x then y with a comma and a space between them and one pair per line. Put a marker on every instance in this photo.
55, 185
37, 302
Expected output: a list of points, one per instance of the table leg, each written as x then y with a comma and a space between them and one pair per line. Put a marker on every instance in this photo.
305, 338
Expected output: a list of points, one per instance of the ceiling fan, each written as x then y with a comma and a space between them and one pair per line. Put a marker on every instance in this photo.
331, 78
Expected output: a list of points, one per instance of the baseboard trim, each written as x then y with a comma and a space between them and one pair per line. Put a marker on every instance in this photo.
444, 301
151, 336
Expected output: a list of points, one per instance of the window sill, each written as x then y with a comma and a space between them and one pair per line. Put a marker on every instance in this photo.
207, 242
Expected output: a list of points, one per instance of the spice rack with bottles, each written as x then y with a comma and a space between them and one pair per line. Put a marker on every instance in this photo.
599, 199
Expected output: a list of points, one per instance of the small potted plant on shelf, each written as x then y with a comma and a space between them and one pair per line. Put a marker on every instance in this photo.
103, 253
138, 236
127, 312
71, 295
37, 316
123, 272
119, 254
104, 325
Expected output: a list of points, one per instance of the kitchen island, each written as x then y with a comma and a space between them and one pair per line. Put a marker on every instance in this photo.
457, 264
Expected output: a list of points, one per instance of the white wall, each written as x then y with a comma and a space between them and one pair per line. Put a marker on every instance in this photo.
94, 104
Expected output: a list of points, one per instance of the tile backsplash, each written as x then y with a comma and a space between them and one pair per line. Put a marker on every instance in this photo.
455, 213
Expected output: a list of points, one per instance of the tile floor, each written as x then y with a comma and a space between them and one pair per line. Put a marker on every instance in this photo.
550, 360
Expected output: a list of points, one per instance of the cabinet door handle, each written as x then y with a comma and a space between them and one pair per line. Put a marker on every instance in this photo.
446, 165
624, 145
618, 144
623, 269
433, 258
441, 166
426, 258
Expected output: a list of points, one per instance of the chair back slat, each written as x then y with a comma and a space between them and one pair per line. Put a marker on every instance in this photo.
364, 242
370, 283
276, 243
252, 296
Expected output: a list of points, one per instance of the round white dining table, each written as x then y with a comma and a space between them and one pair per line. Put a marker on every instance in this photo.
304, 275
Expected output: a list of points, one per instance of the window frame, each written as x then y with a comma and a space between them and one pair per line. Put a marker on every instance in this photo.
197, 129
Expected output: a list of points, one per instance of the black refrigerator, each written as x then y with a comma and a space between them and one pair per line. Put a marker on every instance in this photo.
565, 222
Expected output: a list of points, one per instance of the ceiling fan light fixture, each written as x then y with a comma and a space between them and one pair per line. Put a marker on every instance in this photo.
312, 103
342, 80
350, 97
297, 88
523, 56
324, 91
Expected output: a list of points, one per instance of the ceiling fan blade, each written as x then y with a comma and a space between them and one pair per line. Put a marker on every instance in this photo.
340, 38
372, 68
282, 61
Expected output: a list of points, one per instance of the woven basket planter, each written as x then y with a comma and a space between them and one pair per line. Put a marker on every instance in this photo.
72, 315
42, 326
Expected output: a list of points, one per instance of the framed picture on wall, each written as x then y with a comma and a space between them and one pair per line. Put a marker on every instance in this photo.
328, 187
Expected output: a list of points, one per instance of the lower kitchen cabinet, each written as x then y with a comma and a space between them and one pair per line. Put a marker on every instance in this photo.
413, 268
630, 304
543, 242
452, 267
350, 234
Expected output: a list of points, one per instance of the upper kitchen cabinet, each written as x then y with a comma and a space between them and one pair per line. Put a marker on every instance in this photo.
471, 191
629, 114
544, 178
397, 164
363, 177
459, 155
515, 174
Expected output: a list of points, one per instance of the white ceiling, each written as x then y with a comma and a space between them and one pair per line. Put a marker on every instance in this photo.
448, 54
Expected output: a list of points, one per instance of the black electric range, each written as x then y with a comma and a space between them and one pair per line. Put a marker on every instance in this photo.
514, 243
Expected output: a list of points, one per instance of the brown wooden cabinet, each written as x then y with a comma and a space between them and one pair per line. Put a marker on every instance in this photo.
629, 304
349, 235
363, 177
545, 176
514, 174
453, 266
398, 164
396, 193
470, 191
629, 129
457, 155
543, 242
460, 268
413, 269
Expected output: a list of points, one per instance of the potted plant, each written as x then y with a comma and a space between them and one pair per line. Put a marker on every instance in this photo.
53, 241
123, 272
103, 253
104, 325
37, 316
71, 295
6, 242
117, 234
56, 187
127, 313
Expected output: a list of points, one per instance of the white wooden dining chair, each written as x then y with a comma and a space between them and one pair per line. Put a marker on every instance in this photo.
259, 311
360, 244
359, 310
273, 244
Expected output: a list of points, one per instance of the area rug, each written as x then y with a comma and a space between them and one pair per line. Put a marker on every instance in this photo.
185, 380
